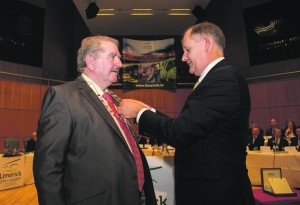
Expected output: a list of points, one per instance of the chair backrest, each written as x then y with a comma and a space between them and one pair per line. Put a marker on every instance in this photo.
11, 143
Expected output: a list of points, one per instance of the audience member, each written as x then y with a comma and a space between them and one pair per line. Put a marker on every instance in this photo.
255, 141
270, 130
295, 141
30, 145
277, 142
254, 124
290, 129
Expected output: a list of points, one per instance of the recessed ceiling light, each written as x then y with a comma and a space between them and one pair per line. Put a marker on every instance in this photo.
142, 9
180, 9
106, 14
179, 14
107, 9
141, 14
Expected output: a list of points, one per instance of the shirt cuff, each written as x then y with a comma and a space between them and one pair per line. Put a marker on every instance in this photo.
141, 112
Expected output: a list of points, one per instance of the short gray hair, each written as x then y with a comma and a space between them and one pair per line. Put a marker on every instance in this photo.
208, 28
90, 46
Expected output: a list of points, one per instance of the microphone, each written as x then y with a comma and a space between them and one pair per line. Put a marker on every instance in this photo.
274, 145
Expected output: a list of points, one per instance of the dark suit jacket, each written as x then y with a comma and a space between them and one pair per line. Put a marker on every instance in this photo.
259, 141
294, 141
283, 143
81, 156
269, 132
210, 136
30, 145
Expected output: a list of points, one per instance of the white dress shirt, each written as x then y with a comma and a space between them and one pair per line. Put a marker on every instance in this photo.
203, 74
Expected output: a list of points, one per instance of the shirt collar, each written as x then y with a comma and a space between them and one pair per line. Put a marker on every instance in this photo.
97, 90
209, 67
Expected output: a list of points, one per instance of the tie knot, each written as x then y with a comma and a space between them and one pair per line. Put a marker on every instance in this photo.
107, 96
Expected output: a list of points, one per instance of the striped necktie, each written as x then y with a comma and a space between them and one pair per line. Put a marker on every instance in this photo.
130, 139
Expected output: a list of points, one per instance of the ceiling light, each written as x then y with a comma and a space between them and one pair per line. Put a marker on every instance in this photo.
107, 9
180, 9
141, 9
179, 14
92, 10
141, 14
107, 14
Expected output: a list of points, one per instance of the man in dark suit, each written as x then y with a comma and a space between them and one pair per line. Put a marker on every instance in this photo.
295, 140
270, 130
211, 132
255, 140
252, 125
30, 145
84, 154
278, 141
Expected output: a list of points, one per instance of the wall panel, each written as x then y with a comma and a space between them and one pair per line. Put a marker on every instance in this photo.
20, 104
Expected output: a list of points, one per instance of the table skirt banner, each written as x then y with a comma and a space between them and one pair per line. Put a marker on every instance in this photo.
28, 171
162, 172
11, 172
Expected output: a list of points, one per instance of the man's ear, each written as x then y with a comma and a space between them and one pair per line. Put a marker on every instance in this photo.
89, 61
207, 44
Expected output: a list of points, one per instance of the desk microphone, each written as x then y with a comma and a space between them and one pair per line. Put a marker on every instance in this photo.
275, 149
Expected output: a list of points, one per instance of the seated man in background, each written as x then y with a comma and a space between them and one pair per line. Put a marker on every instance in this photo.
252, 125
295, 141
277, 142
255, 140
30, 145
270, 130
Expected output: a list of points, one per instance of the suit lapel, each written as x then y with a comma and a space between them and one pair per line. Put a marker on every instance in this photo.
220, 64
89, 94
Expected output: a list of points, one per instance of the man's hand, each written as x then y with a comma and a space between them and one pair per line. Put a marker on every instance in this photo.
129, 108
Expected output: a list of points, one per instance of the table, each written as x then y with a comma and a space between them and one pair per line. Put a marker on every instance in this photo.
16, 171
288, 162
28, 171
161, 165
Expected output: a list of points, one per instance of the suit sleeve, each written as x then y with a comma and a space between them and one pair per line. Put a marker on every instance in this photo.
207, 106
54, 129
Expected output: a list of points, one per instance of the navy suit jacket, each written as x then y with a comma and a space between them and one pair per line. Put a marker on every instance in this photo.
283, 143
210, 136
294, 141
259, 141
81, 156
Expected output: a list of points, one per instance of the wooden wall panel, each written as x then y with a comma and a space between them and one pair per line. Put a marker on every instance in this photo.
283, 102
20, 104
259, 95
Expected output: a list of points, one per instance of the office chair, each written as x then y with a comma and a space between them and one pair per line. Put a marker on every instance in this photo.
11, 144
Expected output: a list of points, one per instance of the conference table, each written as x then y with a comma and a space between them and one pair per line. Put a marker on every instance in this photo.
16, 171
289, 162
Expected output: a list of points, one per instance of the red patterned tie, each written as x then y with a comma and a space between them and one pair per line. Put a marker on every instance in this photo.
130, 140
